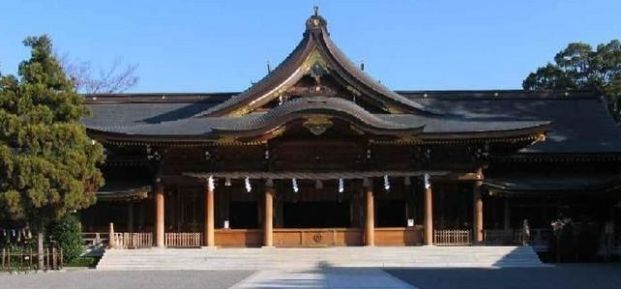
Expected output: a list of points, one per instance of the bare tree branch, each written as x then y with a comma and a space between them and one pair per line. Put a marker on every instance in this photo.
116, 78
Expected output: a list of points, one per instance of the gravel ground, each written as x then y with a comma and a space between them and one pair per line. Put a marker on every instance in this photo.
571, 276
91, 279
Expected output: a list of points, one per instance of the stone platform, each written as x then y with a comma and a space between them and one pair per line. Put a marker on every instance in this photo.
314, 258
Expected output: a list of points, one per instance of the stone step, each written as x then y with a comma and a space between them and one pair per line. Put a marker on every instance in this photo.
282, 258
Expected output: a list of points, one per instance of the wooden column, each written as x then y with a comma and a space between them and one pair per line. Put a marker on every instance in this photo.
369, 223
268, 218
159, 215
208, 222
477, 198
428, 212
130, 217
141, 213
507, 215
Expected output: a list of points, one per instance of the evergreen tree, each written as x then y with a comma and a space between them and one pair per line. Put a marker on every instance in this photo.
579, 66
48, 164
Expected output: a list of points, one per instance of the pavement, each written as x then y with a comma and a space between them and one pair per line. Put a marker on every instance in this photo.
564, 276
325, 278
92, 279
572, 276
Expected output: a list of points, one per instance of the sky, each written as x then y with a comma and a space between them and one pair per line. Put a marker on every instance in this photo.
222, 46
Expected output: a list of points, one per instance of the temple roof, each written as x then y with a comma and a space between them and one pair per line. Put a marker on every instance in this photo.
580, 122
316, 56
170, 119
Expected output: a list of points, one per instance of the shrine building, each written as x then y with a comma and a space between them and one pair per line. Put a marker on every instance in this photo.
318, 153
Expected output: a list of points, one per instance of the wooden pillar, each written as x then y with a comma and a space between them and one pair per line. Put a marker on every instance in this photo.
477, 220
141, 216
208, 222
507, 215
130, 217
159, 215
428, 211
268, 218
369, 223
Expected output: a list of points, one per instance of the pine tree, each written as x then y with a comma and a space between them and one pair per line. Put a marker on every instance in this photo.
48, 164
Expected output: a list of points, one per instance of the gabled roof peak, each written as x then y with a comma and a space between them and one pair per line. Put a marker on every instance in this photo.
314, 63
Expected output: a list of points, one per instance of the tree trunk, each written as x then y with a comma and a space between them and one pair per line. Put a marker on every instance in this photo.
40, 256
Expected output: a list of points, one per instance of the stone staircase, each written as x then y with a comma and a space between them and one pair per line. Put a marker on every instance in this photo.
308, 258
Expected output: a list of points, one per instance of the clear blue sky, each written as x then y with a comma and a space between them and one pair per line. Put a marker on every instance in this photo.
198, 46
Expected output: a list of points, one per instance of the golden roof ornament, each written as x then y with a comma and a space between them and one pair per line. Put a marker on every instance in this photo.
316, 21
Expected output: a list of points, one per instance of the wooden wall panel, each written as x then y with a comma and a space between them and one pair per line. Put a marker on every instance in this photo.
239, 238
317, 237
411, 236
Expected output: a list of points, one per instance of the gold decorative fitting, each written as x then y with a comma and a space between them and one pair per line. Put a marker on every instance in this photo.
241, 111
314, 58
393, 109
226, 139
278, 131
356, 129
353, 90
540, 137
318, 124
408, 139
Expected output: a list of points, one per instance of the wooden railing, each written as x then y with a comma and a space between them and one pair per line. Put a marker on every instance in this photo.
95, 239
539, 238
132, 240
452, 237
183, 240
502, 237
27, 259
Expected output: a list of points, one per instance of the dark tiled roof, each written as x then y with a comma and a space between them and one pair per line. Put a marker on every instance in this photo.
581, 183
175, 118
119, 189
580, 120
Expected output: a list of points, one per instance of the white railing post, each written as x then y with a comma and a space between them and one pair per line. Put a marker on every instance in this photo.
111, 241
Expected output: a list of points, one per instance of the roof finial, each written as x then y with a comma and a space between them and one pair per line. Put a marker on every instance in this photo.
269, 67
316, 8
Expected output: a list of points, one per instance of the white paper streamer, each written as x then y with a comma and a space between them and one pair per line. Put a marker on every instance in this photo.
294, 184
210, 183
386, 183
427, 180
341, 186
247, 183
